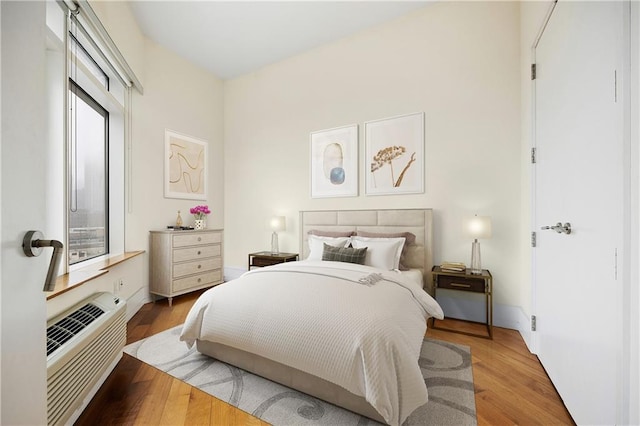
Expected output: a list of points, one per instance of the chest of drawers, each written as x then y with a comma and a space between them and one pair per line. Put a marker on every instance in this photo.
184, 261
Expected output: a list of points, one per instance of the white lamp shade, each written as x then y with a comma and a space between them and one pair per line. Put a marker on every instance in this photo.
278, 223
479, 227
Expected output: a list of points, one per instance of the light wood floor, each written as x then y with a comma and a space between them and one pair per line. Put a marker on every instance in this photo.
510, 384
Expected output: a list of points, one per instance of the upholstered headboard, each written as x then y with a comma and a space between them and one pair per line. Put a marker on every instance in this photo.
416, 221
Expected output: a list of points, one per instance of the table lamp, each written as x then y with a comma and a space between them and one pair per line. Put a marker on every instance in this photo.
478, 227
278, 223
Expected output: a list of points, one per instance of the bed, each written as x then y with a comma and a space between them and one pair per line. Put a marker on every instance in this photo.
347, 333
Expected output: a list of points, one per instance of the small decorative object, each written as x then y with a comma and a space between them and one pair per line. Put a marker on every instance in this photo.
334, 162
179, 220
394, 155
453, 266
278, 223
199, 213
478, 227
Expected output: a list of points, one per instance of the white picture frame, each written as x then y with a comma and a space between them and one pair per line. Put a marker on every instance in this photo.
185, 166
394, 155
334, 162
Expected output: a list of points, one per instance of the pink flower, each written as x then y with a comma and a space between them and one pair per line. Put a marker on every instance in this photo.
199, 212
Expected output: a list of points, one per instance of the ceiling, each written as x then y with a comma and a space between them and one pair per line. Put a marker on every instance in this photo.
232, 38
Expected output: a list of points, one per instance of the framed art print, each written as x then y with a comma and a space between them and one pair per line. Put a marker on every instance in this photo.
185, 166
334, 162
394, 155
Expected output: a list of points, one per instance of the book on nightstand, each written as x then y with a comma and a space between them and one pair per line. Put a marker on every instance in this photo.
453, 266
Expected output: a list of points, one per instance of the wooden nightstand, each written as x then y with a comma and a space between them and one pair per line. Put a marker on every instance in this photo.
266, 258
465, 281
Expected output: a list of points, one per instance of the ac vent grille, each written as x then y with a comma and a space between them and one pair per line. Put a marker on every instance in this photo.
62, 331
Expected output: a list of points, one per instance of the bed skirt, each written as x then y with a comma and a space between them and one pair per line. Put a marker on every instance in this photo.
290, 377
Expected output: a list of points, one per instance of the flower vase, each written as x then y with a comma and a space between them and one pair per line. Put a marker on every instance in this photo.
199, 224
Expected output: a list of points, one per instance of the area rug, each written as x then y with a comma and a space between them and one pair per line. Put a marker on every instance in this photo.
446, 368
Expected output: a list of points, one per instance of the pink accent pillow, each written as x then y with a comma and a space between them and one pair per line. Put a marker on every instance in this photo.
408, 236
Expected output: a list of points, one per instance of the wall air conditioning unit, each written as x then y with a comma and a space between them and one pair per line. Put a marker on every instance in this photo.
84, 344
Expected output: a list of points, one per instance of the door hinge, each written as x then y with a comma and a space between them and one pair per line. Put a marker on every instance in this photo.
533, 155
533, 71
533, 322
533, 239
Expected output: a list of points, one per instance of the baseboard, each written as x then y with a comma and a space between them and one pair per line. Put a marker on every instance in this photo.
505, 316
473, 309
524, 327
135, 302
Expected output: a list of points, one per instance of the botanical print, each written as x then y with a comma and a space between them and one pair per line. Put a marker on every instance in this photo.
334, 162
386, 156
185, 167
395, 155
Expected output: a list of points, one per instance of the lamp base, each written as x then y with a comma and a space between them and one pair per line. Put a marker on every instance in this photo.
476, 266
274, 243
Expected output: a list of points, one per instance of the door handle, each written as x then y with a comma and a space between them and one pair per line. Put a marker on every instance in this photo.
32, 245
559, 228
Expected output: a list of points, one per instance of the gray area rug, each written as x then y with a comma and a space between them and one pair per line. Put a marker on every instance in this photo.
446, 368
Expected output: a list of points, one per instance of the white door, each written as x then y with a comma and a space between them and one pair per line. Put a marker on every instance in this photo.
23, 374
578, 179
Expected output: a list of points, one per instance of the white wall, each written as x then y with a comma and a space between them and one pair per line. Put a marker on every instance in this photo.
457, 62
22, 333
179, 96
182, 97
133, 273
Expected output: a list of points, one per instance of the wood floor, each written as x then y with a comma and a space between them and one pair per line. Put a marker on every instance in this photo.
510, 384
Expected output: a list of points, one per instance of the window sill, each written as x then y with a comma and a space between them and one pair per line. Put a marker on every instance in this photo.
75, 279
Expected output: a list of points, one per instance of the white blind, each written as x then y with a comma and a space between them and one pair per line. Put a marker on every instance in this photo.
90, 25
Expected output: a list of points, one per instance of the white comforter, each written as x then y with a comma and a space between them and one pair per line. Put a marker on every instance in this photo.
356, 326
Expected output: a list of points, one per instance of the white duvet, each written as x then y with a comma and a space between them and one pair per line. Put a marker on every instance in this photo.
356, 326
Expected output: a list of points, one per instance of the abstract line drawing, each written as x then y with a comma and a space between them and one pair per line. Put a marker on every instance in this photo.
334, 162
394, 155
185, 167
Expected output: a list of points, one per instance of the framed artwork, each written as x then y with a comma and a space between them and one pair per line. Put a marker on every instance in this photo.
185, 166
394, 155
334, 162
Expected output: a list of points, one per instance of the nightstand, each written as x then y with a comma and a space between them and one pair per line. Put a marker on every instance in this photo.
266, 258
468, 282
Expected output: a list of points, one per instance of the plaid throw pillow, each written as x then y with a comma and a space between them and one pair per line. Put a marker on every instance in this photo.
344, 254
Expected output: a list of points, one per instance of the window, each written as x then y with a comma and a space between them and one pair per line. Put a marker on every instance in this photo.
89, 94
88, 171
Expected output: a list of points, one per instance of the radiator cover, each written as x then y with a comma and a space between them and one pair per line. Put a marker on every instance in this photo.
83, 345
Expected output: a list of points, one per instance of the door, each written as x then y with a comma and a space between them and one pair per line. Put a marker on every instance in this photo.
23, 374
578, 179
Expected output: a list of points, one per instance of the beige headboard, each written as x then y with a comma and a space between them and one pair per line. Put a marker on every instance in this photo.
417, 221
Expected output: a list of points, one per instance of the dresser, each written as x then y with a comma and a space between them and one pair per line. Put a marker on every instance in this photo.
184, 261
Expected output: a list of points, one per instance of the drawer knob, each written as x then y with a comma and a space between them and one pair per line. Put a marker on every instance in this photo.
199, 266
199, 279
199, 238
199, 252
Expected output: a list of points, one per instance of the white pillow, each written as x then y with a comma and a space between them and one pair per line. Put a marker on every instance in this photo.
316, 245
382, 253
